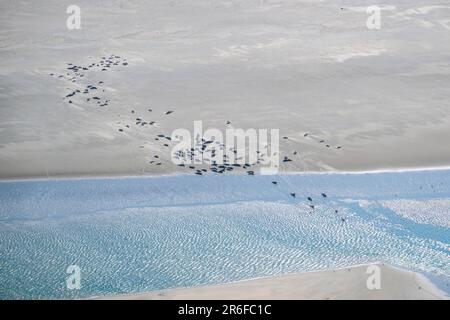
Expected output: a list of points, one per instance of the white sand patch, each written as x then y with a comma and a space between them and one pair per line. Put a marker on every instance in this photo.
244, 50
351, 55
385, 7
103, 134
417, 14
445, 23
423, 10
343, 53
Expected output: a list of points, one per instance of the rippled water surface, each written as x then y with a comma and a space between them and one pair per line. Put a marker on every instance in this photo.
140, 234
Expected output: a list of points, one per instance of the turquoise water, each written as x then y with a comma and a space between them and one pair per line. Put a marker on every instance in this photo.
141, 234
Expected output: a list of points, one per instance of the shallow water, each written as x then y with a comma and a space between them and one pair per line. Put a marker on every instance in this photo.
140, 234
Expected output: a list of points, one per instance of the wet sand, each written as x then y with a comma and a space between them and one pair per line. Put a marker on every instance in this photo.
297, 66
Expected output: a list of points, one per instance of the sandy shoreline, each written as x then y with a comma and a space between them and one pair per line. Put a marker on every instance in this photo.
178, 174
346, 99
345, 283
